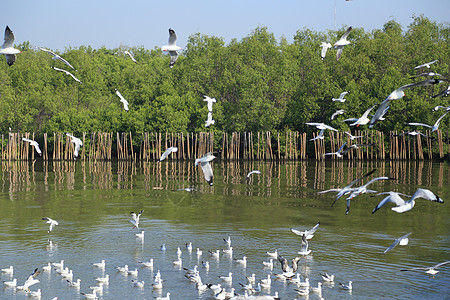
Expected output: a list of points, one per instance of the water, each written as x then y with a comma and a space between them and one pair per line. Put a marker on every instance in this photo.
92, 202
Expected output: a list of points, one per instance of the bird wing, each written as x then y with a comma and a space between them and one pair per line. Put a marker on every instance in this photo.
328, 191
314, 229
73, 76
131, 56
64, 61
441, 264
342, 147
395, 243
377, 179
345, 35
366, 113
342, 95
119, 94
420, 124
339, 52
8, 38
393, 197
439, 120
48, 51
10, 59
207, 172
426, 194
173, 58
172, 37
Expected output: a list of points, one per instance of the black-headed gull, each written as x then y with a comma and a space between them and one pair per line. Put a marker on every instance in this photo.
52, 223
210, 102
209, 121
320, 136
302, 292
427, 74
12, 283
122, 99
289, 271
67, 73
172, 47
304, 248
309, 233
268, 264
77, 144
101, 264
273, 254
242, 261
135, 218
127, 53
139, 284
74, 283
30, 280
425, 65
436, 108
430, 270
147, 264
56, 57
347, 189
36, 294
342, 42
336, 113
9, 270
444, 93
363, 120
34, 144
167, 297
326, 277
341, 97
401, 240
8, 47
228, 241
206, 167
123, 269
228, 278
339, 152
433, 127
413, 133
104, 280
167, 152
352, 137
402, 205
93, 295
321, 126
347, 286
325, 47
317, 289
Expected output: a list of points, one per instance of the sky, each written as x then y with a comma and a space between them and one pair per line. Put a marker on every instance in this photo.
63, 24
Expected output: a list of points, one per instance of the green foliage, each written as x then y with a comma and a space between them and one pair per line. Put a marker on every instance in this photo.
259, 83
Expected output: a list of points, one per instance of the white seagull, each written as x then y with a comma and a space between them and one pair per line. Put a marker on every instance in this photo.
167, 152
289, 271
347, 287
304, 249
56, 57
139, 284
363, 120
209, 120
403, 241
127, 53
172, 47
430, 270
167, 297
425, 65
347, 189
403, 205
342, 42
337, 153
309, 233
206, 167
122, 99
210, 102
433, 127
30, 281
325, 47
52, 223
427, 74
321, 126
77, 143
336, 113
12, 283
93, 295
8, 47
341, 97
135, 218
9, 270
100, 264
320, 136
352, 137
326, 277
104, 280
436, 108
34, 144
67, 73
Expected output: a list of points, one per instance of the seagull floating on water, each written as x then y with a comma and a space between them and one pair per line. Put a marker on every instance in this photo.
342, 42
172, 47
9, 270
347, 286
56, 56
12, 283
403, 241
67, 73
326, 277
100, 264
8, 47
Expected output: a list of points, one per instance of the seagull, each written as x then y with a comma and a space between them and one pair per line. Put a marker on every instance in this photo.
251, 279
122, 99
77, 143
402, 205
250, 174
336, 113
209, 120
433, 127
33, 143
56, 57
319, 136
215, 253
273, 254
363, 120
317, 289
341, 97
74, 283
189, 246
228, 278
36, 294
163, 247
8, 47
135, 218
210, 102
327, 278
347, 189
242, 261
100, 264
9, 270
302, 292
59, 265
67, 73
12, 283
425, 65
430, 270
127, 53
206, 265
172, 47
97, 288
304, 249
413, 133
352, 137
438, 107
52, 223
289, 271
339, 152
444, 93
31, 280
398, 94
266, 283
309, 233
228, 241
178, 262
147, 264
167, 297
268, 264
157, 284
90, 296
206, 167
228, 251
427, 74
342, 42
167, 152
401, 240
123, 269
139, 284
321, 126
133, 273
346, 287
325, 47
104, 280
47, 268
140, 235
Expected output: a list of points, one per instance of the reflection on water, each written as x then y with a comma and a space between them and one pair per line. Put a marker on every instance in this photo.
92, 201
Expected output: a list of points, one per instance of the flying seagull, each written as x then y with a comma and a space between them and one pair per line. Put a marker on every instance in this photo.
352, 137
444, 93
363, 120
342, 42
401, 240
8, 47
35, 144
341, 97
325, 47
210, 102
321, 126
30, 280
77, 143
309, 233
413, 133
429, 270
56, 57
167, 152
426, 74
338, 112
319, 136
402, 205
52, 223
339, 152
135, 218
425, 65
172, 47
398, 94
122, 99
127, 53
433, 127
210, 120
206, 167
67, 73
